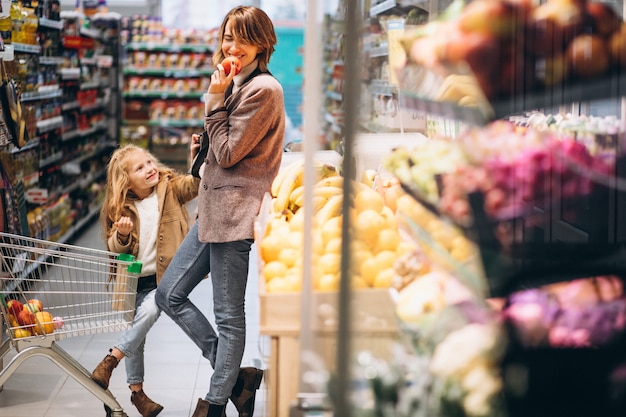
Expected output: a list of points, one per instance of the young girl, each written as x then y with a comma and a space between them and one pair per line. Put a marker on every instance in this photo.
143, 214
245, 123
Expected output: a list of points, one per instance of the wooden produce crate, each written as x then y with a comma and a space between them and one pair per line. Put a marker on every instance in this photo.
374, 329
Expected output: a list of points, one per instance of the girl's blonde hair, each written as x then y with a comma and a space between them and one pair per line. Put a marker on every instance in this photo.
117, 193
253, 26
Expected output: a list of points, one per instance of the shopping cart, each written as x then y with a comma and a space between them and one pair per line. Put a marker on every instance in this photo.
50, 291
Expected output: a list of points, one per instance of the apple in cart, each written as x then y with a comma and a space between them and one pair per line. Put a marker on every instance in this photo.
58, 322
25, 317
34, 305
14, 307
12, 320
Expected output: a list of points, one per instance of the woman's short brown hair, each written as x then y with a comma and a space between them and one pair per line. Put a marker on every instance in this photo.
252, 26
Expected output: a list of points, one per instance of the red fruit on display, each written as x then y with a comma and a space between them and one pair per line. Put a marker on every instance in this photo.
588, 56
230, 62
482, 52
604, 18
496, 18
553, 25
617, 46
14, 307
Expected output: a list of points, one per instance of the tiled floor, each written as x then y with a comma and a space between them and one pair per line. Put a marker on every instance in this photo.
176, 375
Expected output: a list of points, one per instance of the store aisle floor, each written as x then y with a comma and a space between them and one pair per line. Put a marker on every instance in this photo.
176, 373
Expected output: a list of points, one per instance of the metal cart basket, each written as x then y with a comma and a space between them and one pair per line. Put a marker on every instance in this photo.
50, 291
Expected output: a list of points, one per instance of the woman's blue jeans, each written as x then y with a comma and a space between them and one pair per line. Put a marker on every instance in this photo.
228, 264
132, 341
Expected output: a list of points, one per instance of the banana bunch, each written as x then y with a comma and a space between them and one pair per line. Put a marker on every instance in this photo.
461, 89
287, 188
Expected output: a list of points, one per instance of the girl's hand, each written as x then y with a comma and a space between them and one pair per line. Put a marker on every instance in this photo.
220, 81
124, 226
194, 146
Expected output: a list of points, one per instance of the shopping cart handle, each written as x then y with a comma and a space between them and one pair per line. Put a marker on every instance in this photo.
134, 267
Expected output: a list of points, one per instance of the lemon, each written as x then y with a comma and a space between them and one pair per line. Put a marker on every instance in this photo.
390, 218
358, 283
273, 270
330, 263
386, 258
296, 223
328, 282
358, 245
295, 240
332, 228
368, 199
293, 283
384, 279
368, 224
388, 239
369, 270
270, 246
280, 285
333, 245
359, 256
289, 256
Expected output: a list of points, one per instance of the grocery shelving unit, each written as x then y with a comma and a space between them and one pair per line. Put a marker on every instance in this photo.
71, 117
163, 87
580, 249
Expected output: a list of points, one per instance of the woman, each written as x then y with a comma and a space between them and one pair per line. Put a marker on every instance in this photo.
144, 213
245, 122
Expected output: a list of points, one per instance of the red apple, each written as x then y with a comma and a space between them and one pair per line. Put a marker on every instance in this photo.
494, 17
25, 318
481, 52
37, 304
588, 56
553, 25
14, 307
229, 62
604, 18
617, 45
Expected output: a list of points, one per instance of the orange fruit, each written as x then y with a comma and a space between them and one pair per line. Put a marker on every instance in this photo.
43, 323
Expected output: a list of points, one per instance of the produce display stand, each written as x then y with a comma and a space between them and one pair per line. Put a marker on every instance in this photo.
280, 321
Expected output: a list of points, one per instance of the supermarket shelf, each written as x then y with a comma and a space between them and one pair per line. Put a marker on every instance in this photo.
161, 94
47, 125
176, 123
26, 48
168, 72
80, 133
51, 60
610, 86
71, 233
42, 94
147, 46
51, 24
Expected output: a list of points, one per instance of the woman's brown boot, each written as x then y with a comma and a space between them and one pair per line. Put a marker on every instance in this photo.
143, 403
102, 374
206, 409
244, 391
